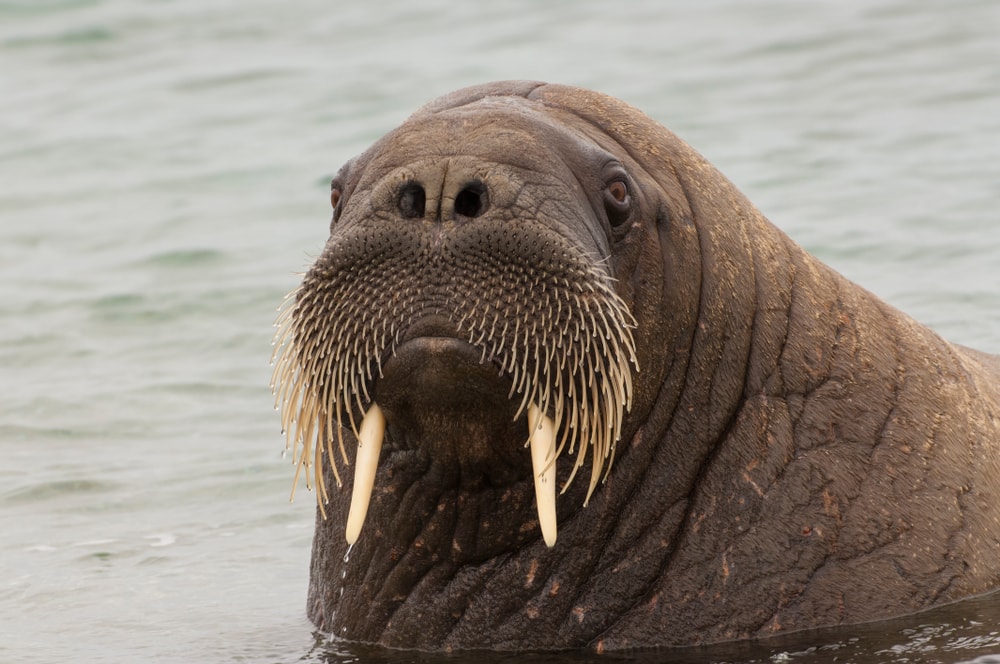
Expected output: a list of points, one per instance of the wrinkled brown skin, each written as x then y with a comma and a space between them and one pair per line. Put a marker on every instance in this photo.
798, 453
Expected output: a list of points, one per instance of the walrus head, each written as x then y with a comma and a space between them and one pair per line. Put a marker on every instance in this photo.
465, 305
495, 276
517, 262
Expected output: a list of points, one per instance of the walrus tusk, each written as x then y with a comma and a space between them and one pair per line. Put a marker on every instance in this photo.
542, 440
543, 446
366, 463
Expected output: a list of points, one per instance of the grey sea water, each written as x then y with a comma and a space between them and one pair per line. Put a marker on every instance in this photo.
164, 169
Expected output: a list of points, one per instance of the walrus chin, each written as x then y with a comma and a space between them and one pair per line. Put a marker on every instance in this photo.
553, 331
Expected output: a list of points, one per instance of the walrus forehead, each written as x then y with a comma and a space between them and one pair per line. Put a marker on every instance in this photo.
521, 136
530, 167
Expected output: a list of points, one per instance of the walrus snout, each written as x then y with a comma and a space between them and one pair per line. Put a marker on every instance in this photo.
441, 397
470, 202
453, 189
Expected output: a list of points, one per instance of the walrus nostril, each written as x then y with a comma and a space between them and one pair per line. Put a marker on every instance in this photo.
471, 201
411, 200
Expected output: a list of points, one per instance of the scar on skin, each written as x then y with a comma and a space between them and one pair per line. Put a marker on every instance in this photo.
530, 580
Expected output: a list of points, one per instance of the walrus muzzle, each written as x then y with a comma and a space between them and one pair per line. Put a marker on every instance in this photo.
523, 305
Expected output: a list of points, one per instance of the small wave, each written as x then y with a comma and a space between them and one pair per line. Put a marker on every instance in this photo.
57, 489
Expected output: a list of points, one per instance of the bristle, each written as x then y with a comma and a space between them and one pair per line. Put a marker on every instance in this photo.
557, 329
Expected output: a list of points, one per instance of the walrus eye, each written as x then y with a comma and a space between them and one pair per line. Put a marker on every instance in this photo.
618, 191
336, 196
617, 202
411, 200
337, 192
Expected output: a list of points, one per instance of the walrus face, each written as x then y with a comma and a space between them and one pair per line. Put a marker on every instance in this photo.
464, 306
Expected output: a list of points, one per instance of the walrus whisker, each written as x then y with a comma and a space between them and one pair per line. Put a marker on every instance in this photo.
568, 353
328, 439
338, 405
295, 480
321, 496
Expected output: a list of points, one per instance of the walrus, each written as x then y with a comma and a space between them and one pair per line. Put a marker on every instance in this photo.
557, 384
